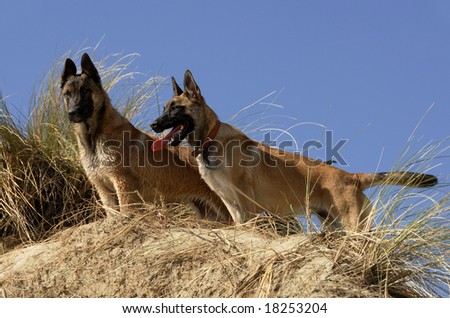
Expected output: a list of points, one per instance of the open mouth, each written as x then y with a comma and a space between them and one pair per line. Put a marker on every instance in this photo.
173, 138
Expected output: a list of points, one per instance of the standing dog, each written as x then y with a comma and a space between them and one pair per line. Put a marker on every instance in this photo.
117, 157
251, 177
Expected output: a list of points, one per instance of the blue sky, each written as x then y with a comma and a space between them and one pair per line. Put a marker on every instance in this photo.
367, 70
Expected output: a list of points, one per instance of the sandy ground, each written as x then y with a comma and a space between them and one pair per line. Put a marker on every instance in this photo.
135, 258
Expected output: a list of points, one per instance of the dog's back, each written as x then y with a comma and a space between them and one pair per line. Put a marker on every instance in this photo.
251, 177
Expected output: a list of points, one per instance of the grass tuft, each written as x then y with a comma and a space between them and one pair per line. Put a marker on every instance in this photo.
43, 187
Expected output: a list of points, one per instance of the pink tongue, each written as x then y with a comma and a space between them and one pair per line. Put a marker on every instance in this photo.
162, 143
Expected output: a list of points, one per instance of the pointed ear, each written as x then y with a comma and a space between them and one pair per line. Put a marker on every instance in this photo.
88, 68
190, 86
177, 91
70, 69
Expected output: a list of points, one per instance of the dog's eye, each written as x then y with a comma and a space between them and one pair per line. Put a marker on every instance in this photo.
66, 94
176, 106
84, 90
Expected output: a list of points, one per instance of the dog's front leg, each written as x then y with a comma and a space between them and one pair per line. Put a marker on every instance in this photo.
130, 200
234, 210
238, 204
107, 196
109, 202
213, 210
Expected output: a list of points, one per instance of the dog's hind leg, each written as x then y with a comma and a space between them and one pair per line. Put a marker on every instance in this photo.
328, 221
358, 209
365, 222
353, 210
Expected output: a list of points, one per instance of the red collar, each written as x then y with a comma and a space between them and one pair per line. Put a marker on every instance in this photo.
212, 134
208, 139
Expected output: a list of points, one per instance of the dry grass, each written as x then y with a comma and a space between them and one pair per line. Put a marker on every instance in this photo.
170, 254
56, 243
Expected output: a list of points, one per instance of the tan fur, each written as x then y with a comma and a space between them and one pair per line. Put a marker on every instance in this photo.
119, 162
254, 177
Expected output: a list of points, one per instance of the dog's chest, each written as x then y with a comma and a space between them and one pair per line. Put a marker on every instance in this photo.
102, 157
215, 177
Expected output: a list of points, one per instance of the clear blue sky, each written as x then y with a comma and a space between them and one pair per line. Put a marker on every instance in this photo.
367, 70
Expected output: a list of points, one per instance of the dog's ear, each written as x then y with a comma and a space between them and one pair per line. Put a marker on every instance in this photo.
177, 91
70, 69
88, 68
190, 86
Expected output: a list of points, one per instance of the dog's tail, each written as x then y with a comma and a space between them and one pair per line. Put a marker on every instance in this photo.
401, 178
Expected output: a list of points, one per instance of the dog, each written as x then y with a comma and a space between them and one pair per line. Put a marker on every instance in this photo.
118, 159
251, 177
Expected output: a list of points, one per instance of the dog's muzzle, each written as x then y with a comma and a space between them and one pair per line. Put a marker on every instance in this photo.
74, 115
77, 114
156, 126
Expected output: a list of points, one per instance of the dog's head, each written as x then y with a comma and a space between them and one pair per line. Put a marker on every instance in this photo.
82, 93
184, 113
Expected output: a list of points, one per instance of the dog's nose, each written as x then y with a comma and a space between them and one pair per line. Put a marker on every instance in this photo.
72, 112
154, 125
74, 115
